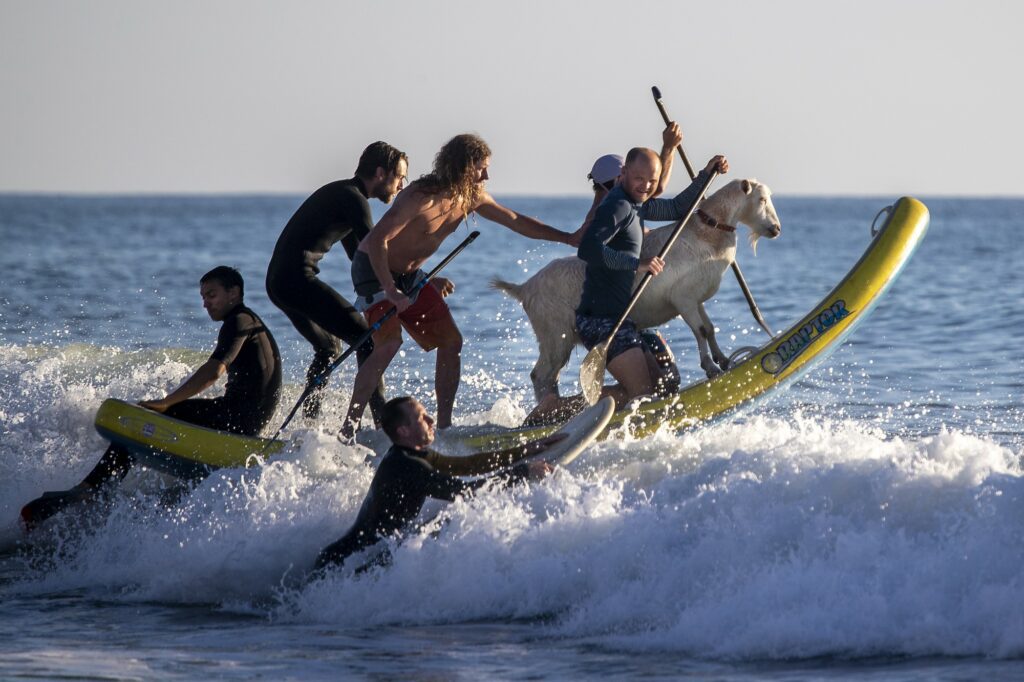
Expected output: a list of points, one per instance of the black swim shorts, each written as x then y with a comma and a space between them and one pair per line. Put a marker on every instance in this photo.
595, 330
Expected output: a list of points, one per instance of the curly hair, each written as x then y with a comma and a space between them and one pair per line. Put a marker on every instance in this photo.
453, 172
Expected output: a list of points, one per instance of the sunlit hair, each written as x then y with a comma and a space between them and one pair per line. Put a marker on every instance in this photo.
454, 172
227, 277
395, 415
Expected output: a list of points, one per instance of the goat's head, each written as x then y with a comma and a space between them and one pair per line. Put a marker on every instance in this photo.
756, 211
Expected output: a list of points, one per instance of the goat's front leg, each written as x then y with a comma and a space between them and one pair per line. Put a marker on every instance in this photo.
721, 358
555, 349
692, 317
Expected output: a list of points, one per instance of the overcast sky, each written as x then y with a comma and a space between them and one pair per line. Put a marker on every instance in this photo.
810, 96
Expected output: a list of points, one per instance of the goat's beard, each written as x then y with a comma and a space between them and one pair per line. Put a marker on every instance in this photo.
752, 238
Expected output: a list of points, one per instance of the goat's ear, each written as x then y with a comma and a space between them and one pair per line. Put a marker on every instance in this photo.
746, 187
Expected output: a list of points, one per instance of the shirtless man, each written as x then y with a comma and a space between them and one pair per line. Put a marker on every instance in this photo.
387, 264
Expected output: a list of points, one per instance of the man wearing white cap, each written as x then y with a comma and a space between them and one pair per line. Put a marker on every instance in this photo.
611, 250
607, 168
603, 175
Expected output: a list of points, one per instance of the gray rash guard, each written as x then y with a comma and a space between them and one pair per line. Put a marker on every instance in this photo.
611, 246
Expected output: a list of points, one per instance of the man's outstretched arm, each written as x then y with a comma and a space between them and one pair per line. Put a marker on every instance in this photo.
523, 224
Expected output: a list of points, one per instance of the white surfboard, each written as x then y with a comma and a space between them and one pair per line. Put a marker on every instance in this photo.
580, 431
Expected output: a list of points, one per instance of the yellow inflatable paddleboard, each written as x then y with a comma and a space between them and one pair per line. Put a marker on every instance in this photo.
786, 356
176, 447
188, 450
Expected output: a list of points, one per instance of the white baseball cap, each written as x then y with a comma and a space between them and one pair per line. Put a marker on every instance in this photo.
606, 168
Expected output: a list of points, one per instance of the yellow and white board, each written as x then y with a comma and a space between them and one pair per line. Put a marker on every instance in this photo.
174, 446
184, 449
784, 358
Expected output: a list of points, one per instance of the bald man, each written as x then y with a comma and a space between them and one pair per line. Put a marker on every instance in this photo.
611, 249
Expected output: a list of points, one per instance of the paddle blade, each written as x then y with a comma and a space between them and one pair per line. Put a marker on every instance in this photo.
592, 373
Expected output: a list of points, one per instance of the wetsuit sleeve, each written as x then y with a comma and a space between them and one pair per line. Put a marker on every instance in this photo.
445, 487
594, 250
660, 210
233, 335
471, 465
362, 223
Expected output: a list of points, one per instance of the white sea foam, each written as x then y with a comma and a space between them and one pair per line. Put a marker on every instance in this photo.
763, 538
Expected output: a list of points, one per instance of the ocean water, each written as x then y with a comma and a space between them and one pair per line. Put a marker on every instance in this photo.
866, 522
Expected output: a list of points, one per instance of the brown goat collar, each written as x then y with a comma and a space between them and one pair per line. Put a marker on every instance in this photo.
708, 220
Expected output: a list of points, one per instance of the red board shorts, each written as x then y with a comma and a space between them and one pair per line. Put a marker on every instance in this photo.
428, 320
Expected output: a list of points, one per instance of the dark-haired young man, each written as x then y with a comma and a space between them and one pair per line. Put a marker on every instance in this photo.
338, 211
410, 473
245, 350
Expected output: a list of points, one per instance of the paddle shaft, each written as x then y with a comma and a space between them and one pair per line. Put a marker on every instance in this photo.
319, 379
735, 266
676, 231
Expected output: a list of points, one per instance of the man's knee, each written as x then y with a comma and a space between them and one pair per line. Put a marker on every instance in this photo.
447, 337
451, 341
387, 348
631, 370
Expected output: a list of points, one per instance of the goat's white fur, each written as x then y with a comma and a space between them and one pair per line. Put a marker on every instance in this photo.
693, 272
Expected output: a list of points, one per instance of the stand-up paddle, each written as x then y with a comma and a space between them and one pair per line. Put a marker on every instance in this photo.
592, 369
735, 266
322, 377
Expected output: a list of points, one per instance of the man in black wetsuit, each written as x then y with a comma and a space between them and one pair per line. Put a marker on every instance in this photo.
338, 211
245, 350
410, 473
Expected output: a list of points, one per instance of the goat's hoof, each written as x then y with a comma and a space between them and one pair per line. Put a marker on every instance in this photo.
712, 371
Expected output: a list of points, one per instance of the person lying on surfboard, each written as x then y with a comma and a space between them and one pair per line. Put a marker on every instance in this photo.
245, 350
410, 472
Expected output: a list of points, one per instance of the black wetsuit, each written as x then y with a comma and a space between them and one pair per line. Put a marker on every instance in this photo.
248, 350
338, 211
403, 482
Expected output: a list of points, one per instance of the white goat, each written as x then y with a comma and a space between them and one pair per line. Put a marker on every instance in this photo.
693, 272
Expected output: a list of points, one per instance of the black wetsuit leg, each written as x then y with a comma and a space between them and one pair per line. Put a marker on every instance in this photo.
214, 413
322, 316
335, 553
